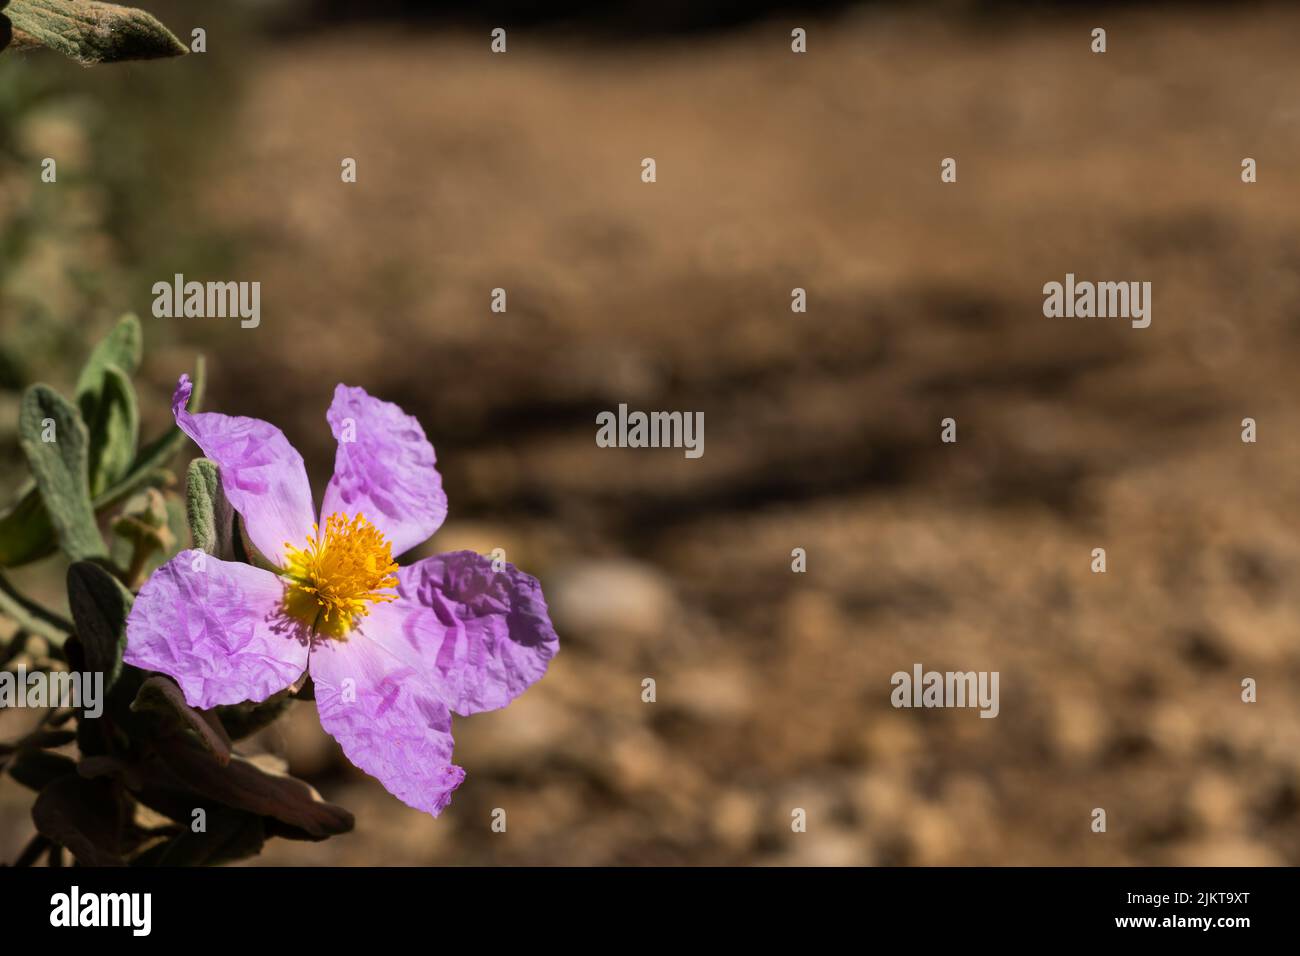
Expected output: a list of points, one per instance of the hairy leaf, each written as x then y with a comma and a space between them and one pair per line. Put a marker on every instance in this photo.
91, 32
244, 785
154, 456
114, 430
85, 816
161, 695
26, 534
107, 403
99, 605
122, 348
54, 439
210, 516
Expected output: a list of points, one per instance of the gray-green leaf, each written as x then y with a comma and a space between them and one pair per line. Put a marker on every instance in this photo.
161, 695
206, 508
107, 402
121, 347
100, 606
25, 531
156, 454
55, 441
91, 32
244, 785
114, 430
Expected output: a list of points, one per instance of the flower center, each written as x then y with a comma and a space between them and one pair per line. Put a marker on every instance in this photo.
335, 578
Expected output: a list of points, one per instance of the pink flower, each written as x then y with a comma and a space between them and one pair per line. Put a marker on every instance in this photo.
392, 651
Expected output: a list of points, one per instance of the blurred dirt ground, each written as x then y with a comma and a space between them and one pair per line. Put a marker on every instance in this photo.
1119, 691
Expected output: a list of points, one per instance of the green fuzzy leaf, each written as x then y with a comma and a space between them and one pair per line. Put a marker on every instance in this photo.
26, 534
122, 348
91, 32
100, 605
202, 490
206, 508
154, 457
107, 402
60, 467
114, 430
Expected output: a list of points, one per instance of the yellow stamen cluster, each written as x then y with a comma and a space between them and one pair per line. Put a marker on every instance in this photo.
338, 575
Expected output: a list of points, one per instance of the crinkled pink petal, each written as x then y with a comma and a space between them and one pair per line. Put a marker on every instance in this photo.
480, 637
384, 468
387, 718
217, 629
261, 473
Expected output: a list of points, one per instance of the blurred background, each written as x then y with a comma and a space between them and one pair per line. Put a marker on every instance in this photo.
775, 170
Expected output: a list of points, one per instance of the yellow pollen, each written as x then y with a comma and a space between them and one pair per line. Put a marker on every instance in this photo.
335, 578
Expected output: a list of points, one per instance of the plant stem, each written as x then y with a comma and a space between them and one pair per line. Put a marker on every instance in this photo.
31, 616
31, 853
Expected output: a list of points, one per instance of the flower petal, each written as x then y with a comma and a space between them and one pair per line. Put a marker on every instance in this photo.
387, 719
480, 636
217, 628
261, 473
384, 468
